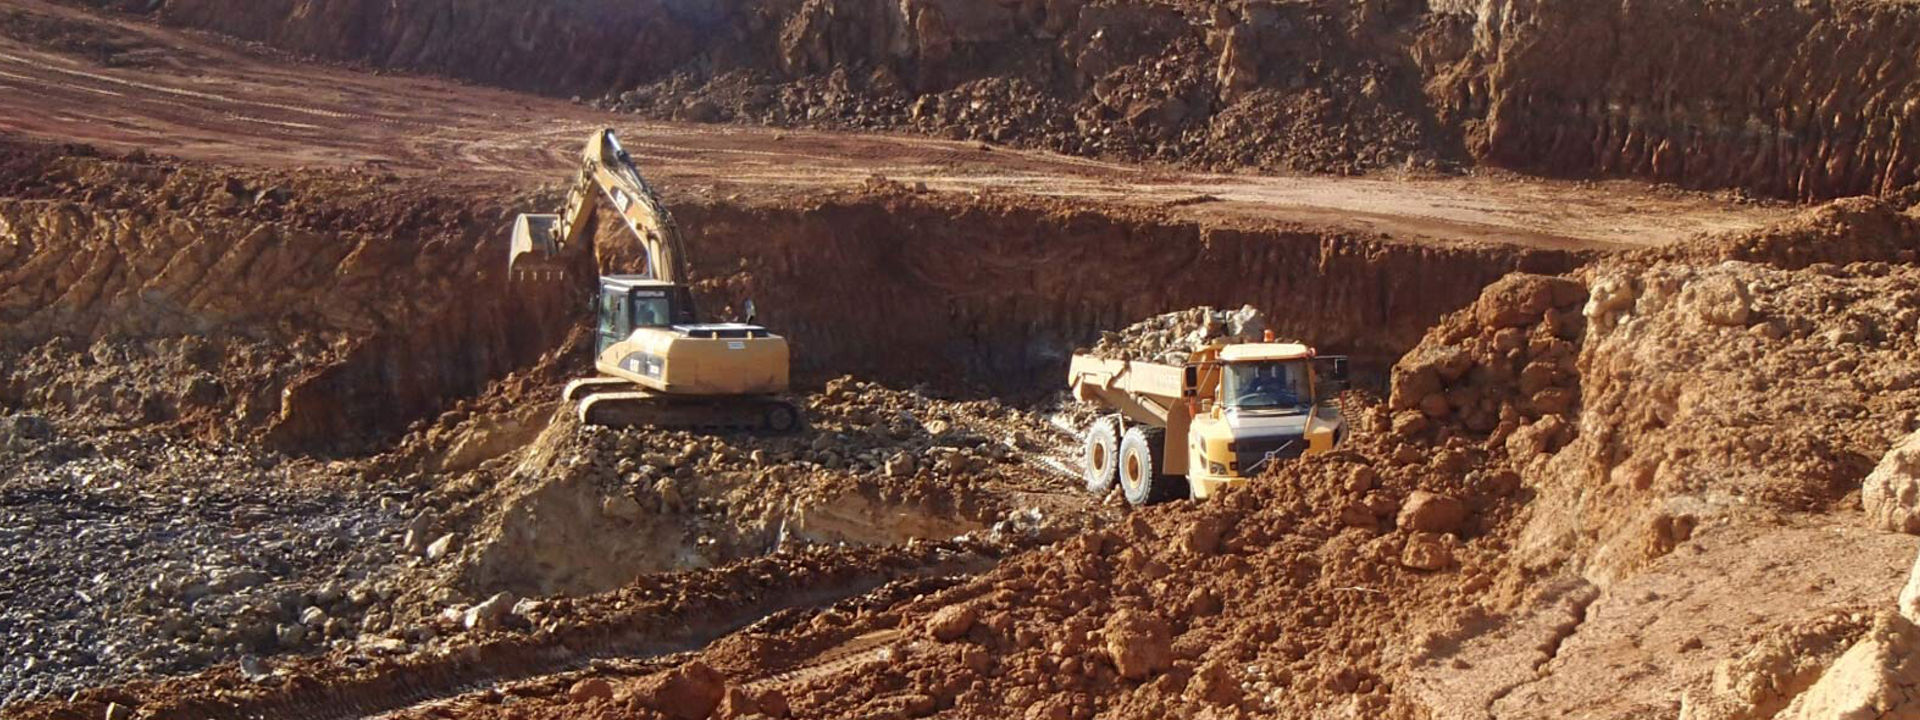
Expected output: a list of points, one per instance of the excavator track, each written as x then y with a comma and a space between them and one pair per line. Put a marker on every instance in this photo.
614, 403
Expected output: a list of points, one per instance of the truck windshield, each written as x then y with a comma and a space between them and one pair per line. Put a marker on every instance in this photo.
1275, 385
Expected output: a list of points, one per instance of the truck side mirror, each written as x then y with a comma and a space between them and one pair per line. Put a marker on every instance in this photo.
751, 315
1190, 383
1330, 375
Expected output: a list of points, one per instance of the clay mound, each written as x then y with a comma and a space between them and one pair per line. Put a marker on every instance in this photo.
579, 509
1171, 337
1506, 360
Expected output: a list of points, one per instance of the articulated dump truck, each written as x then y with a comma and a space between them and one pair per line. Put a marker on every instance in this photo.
1225, 416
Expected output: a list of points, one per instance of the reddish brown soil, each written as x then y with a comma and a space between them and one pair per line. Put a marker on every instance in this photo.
203, 98
1805, 100
1603, 484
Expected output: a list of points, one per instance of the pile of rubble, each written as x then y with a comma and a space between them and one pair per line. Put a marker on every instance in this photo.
133, 553
1507, 360
1171, 337
584, 509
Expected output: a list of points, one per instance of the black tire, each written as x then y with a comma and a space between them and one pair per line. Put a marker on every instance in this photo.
1141, 477
1100, 454
780, 418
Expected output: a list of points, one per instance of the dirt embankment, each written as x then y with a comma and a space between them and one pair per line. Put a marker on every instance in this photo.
330, 311
932, 288
319, 310
1797, 100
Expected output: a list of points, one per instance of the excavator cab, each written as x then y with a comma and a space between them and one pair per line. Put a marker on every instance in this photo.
627, 302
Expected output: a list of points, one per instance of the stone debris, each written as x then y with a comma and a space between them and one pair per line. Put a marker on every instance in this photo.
1171, 337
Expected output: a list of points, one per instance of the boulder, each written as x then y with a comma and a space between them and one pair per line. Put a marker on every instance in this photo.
439, 548
901, 465
1140, 644
490, 613
1891, 493
1202, 536
1719, 300
689, 692
1521, 299
590, 690
952, 622
1427, 551
1431, 512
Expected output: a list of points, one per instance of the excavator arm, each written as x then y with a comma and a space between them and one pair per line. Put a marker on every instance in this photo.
544, 245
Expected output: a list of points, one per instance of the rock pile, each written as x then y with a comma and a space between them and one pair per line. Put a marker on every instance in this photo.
1505, 363
1170, 337
872, 465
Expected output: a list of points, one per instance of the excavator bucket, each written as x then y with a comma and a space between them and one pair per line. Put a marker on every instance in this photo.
535, 258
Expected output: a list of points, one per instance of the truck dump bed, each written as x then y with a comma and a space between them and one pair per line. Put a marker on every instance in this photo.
1142, 391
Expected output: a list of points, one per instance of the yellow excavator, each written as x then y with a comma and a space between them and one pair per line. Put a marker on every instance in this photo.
658, 364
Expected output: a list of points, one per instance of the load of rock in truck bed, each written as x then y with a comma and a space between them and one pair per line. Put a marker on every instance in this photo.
1170, 337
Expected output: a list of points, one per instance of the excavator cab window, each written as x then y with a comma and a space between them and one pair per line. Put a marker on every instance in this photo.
652, 308
614, 321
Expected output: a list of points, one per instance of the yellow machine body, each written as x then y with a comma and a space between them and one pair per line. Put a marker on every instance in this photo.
1217, 421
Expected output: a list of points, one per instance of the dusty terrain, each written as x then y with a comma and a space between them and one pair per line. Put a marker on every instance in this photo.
274, 442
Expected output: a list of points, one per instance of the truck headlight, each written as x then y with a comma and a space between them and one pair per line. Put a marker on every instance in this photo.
1216, 468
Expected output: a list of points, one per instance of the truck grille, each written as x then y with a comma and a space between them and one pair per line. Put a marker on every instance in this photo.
1251, 453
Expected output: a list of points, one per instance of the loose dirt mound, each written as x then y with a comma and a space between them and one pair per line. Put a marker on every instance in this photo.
586, 509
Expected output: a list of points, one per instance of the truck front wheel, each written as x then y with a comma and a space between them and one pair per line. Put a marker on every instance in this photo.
1141, 479
1100, 454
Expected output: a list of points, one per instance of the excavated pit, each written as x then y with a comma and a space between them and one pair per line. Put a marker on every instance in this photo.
329, 311
351, 326
1545, 513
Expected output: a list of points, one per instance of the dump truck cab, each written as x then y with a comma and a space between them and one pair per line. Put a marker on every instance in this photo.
1223, 417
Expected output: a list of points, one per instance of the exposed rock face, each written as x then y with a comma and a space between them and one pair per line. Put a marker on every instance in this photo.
331, 311
1552, 87
1058, 279
325, 312
1581, 89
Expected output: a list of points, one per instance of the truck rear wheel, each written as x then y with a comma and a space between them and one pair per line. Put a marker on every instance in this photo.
1141, 478
1100, 454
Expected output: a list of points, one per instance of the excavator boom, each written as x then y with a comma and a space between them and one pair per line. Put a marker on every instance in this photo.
545, 245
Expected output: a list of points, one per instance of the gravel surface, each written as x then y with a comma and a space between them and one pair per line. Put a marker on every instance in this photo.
133, 555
